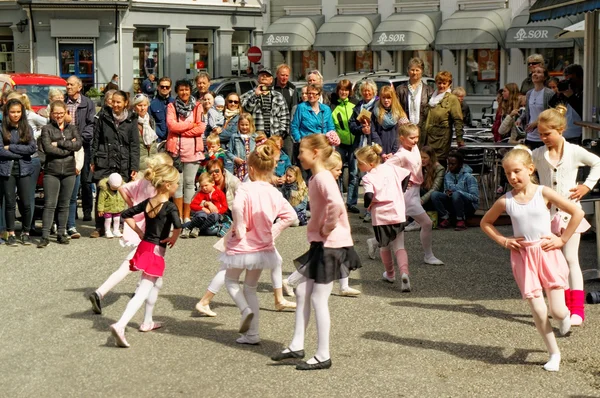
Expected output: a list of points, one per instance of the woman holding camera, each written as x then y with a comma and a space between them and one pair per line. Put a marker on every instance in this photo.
509, 111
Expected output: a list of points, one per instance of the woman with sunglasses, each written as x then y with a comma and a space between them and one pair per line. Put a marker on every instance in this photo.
532, 61
59, 141
232, 116
146, 128
186, 125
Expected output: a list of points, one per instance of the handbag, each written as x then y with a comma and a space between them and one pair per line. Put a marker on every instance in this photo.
177, 163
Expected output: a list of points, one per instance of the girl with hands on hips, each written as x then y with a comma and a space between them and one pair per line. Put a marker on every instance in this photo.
537, 263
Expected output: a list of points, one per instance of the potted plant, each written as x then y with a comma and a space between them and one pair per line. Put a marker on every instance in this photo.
95, 95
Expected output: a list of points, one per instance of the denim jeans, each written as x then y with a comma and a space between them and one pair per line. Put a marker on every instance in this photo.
8, 187
57, 196
73, 203
347, 153
457, 204
202, 220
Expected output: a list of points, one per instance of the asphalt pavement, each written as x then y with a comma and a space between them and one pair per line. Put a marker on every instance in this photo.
462, 331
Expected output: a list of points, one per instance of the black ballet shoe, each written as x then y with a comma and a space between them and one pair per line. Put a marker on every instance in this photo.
314, 366
288, 355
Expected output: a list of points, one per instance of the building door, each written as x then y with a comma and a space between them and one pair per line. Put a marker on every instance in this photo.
77, 59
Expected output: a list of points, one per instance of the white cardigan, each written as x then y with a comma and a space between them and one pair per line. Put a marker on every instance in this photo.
563, 177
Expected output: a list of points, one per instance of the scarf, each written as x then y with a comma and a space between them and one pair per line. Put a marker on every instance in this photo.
120, 118
148, 134
231, 113
412, 107
369, 105
184, 109
437, 97
388, 119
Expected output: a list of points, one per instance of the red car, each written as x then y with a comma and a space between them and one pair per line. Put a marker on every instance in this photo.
36, 86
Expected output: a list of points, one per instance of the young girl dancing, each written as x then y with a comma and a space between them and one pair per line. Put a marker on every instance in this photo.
160, 215
331, 255
250, 245
133, 193
537, 263
383, 184
557, 163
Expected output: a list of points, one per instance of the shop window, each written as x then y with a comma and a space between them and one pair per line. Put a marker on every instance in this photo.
483, 71
358, 61
310, 61
148, 54
557, 59
426, 56
7, 54
240, 43
199, 52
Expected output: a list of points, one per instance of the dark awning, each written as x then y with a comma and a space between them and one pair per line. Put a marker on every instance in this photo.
407, 31
523, 34
347, 33
543, 10
473, 29
292, 33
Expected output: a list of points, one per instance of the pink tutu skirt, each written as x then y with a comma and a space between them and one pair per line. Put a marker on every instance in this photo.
561, 220
148, 258
535, 269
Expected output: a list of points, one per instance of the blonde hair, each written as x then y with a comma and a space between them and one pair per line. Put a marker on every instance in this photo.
159, 159
395, 107
405, 129
459, 91
262, 159
295, 170
277, 140
522, 154
206, 177
370, 154
213, 139
26, 102
55, 92
250, 119
334, 161
161, 175
320, 143
554, 118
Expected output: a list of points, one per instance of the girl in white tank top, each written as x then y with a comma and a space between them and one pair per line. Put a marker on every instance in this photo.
538, 265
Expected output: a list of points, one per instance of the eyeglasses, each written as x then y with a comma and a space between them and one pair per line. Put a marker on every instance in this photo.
533, 63
215, 171
165, 87
140, 95
233, 101
312, 94
58, 113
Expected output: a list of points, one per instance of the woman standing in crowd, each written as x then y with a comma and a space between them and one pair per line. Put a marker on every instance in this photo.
444, 118
363, 129
36, 122
16, 168
186, 126
54, 94
59, 142
342, 107
311, 117
115, 146
538, 99
415, 95
146, 128
232, 116
388, 116
508, 112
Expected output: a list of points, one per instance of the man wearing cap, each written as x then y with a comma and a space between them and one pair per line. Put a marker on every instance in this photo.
267, 106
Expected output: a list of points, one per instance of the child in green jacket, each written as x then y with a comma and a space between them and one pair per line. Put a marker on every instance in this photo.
111, 204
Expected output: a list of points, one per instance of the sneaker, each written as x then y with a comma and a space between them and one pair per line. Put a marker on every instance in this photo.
43, 243
72, 232
460, 226
349, 292
387, 278
405, 286
185, 233
25, 239
287, 289
367, 217
444, 224
372, 245
11, 241
96, 303
353, 209
117, 233
63, 239
248, 339
194, 233
413, 226
109, 234
433, 261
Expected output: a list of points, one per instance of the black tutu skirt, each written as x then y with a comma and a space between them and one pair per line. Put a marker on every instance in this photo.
386, 234
326, 264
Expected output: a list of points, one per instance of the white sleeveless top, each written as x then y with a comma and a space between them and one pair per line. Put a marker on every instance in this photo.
530, 220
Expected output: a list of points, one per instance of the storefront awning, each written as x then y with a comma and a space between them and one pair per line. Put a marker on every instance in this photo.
523, 34
292, 33
473, 29
407, 31
575, 31
347, 33
543, 10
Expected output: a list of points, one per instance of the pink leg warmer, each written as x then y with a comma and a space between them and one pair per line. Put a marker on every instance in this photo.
402, 261
388, 262
577, 301
568, 298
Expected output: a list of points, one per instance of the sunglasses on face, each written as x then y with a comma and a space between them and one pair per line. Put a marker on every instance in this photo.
138, 96
533, 63
165, 87
233, 101
215, 171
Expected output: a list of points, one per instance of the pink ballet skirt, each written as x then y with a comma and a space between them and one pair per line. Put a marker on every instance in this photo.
535, 269
148, 258
560, 221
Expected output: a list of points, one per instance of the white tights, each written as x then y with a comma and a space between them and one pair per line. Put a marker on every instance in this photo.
571, 253
147, 291
426, 232
247, 298
308, 292
219, 279
116, 276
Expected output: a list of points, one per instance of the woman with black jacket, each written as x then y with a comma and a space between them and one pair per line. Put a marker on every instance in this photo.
16, 169
59, 142
115, 146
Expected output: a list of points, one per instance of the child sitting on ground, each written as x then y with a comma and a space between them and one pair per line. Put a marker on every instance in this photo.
210, 205
461, 194
111, 204
295, 191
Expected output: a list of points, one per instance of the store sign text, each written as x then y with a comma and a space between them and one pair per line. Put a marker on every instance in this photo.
277, 40
391, 38
522, 34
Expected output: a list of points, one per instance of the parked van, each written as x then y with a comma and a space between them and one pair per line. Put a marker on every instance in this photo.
36, 86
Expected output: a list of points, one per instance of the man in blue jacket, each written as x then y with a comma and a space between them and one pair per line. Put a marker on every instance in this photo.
158, 107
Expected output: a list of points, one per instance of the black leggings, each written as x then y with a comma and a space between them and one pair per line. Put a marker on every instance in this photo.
23, 186
57, 195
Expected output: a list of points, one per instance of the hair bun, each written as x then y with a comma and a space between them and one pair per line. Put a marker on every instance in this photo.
332, 138
561, 109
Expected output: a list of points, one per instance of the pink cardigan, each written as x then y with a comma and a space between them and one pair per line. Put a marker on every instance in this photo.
192, 147
256, 206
